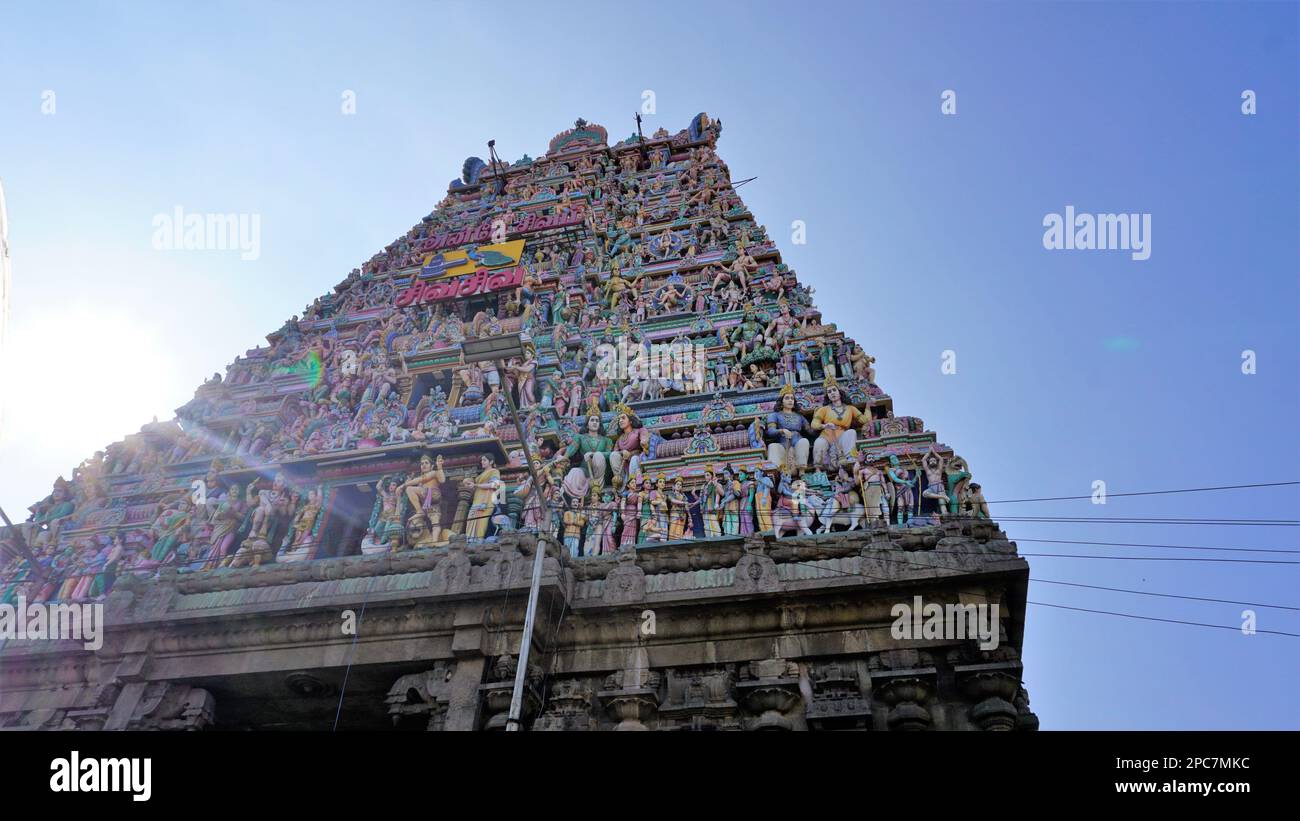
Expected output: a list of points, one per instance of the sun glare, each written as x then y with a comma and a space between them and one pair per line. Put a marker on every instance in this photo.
75, 381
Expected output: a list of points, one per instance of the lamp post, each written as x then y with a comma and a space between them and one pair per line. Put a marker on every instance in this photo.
498, 349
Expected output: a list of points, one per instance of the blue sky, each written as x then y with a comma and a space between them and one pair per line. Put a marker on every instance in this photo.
924, 235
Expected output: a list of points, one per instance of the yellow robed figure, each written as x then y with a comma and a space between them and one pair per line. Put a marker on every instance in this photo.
480, 510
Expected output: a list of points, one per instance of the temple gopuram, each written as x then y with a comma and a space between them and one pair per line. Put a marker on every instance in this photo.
339, 532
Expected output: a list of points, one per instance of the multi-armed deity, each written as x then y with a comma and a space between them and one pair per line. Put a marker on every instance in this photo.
361, 428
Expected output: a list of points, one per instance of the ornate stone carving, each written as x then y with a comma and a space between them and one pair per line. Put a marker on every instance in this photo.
631, 697
906, 698
992, 693
756, 571
769, 689
422, 697
626, 582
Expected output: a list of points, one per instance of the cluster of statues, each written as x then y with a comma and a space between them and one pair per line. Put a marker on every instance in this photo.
652, 246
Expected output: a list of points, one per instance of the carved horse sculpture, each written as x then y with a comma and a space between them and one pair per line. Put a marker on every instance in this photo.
830, 513
792, 514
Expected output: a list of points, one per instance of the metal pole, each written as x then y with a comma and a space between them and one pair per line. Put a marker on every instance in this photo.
37, 572
534, 589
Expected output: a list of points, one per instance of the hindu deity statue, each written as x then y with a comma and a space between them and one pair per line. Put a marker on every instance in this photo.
748, 340
655, 510
783, 326
932, 466
630, 442
487, 495
679, 511
763, 487
711, 495
424, 493
958, 477
386, 520
903, 481
871, 487
225, 521
603, 524
595, 449
835, 422
304, 521
973, 503
631, 512
862, 365
787, 432
574, 520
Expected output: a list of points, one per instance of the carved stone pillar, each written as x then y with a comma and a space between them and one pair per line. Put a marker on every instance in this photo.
568, 707
906, 698
497, 693
463, 497
992, 693
631, 697
771, 692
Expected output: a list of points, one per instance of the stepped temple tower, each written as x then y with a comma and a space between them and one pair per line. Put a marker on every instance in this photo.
731, 512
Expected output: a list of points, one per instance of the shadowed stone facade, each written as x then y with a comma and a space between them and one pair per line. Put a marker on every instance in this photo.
747, 634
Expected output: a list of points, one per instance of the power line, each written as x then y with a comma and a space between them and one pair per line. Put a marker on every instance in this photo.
1156, 618
1162, 546
1109, 495
1163, 595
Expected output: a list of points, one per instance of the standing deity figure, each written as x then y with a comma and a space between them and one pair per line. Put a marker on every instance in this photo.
787, 432
304, 521
269, 500
730, 502
424, 493
654, 510
679, 517
386, 520
958, 476
871, 486
763, 487
932, 465
744, 490
574, 520
711, 495
524, 374
486, 486
225, 522
835, 422
902, 480
631, 513
603, 524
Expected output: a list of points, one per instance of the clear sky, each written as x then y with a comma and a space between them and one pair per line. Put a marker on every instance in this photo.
924, 235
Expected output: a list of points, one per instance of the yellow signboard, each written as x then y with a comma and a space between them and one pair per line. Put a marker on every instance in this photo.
470, 259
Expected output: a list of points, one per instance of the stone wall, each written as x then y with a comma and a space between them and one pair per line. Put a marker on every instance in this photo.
728, 633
